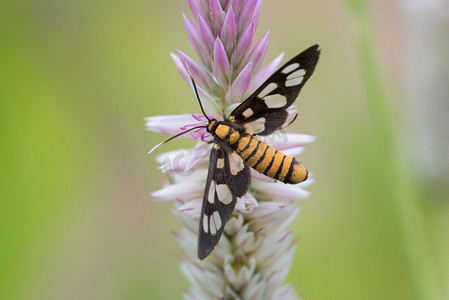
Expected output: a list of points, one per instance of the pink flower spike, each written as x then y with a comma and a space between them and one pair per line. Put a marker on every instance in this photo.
196, 40
237, 5
196, 8
202, 79
255, 251
259, 50
216, 14
263, 75
241, 84
221, 67
180, 66
229, 31
256, 13
247, 13
206, 34
244, 44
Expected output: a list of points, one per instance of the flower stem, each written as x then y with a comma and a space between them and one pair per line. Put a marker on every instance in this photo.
397, 190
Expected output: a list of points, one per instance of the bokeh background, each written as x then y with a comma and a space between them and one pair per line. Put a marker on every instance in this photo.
77, 79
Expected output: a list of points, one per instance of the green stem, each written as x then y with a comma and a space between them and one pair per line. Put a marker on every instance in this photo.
398, 191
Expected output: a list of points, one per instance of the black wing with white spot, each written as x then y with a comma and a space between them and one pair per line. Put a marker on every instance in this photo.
228, 178
265, 111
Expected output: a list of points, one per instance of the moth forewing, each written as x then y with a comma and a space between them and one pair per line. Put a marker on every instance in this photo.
228, 178
280, 90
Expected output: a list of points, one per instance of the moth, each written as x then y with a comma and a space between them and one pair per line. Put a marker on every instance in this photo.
236, 147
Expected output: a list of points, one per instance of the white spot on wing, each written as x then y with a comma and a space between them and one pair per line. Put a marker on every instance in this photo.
212, 227
295, 78
220, 163
255, 126
275, 101
298, 73
205, 224
294, 81
224, 194
211, 194
217, 220
268, 89
236, 163
248, 113
290, 68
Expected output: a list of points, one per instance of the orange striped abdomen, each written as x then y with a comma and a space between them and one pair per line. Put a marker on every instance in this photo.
267, 160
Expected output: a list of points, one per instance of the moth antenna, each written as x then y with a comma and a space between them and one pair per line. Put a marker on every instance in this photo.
175, 136
198, 97
195, 89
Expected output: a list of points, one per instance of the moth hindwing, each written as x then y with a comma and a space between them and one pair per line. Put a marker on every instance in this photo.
228, 178
265, 111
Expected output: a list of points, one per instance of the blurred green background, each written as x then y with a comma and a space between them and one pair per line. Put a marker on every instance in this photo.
78, 77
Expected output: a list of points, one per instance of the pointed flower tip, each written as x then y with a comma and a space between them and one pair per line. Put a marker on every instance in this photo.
172, 55
205, 33
221, 62
215, 7
191, 29
216, 14
194, 7
219, 51
259, 50
229, 29
241, 83
266, 36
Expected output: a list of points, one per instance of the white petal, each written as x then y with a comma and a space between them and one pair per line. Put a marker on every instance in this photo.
169, 124
280, 191
192, 208
183, 162
246, 203
185, 189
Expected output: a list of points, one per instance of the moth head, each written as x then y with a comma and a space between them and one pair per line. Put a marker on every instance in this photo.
213, 124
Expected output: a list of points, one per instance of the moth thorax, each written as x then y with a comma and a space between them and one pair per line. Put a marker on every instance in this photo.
227, 134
